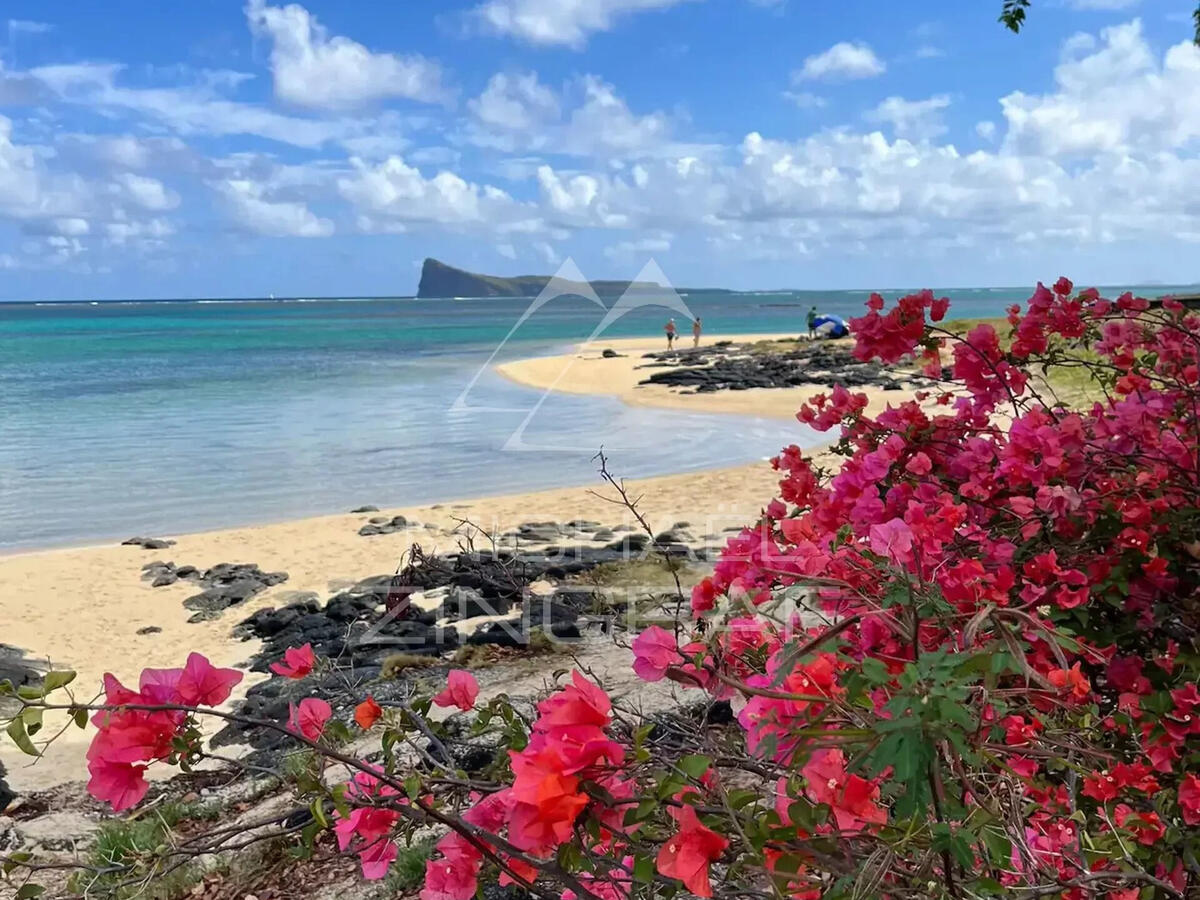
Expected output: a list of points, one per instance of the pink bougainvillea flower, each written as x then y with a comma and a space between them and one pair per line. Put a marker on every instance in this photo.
579, 703
203, 684
297, 662
892, 539
121, 785
449, 879
688, 853
309, 718
654, 651
377, 859
461, 690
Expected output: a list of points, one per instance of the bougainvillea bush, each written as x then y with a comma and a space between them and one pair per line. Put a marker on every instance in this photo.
961, 665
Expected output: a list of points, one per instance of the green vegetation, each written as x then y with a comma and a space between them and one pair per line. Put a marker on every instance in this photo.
408, 871
130, 855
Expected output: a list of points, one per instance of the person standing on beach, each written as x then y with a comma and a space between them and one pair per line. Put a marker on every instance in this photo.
671, 331
812, 323
697, 328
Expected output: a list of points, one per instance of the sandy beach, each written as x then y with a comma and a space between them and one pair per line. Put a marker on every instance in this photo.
82, 608
586, 371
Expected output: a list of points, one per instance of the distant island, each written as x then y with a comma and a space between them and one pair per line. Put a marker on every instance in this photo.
441, 280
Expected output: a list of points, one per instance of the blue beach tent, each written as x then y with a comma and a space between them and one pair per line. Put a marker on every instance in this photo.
831, 326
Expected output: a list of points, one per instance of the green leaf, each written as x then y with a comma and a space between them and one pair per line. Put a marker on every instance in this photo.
14, 860
643, 870
318, 813
80, 715
28, 891
695, 765
16, 731
55, 680
32, 717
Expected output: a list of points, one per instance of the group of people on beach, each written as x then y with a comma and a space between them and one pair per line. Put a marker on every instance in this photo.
673, 332
698, 329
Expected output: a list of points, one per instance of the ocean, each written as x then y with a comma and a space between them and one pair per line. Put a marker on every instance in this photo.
121, 418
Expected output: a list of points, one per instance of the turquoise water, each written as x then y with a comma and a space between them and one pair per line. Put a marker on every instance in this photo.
165, 417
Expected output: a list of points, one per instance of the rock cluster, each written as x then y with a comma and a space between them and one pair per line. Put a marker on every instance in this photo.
225, 584
385, 525
148, 543
741, 367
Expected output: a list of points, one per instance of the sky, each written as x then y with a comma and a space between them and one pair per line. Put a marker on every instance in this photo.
152, 149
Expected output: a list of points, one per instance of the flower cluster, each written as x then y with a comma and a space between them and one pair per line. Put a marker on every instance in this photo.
147, 725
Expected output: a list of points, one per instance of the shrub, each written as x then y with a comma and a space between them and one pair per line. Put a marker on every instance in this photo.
963, 665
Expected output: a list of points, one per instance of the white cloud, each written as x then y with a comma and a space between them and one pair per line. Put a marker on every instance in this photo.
986, 129
146, 235
517, 113
638, 248
515, 102
255, 212
188, 109
566, 22
148, 193
806, 99
26, 26
392, 195
912, 118
1117, 99
508, 251
843, 61
312, 69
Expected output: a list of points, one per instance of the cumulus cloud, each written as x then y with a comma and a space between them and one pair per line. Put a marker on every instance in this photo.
566, 22
843, 61
253, 210
515, 102
148, 193
912, 118
313, 69
517, 113
392, 196
1118, 98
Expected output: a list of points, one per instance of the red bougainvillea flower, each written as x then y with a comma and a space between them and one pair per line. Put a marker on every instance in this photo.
309, 718
654, 651
547, 800
1147, 827
461, 690
297, 662
367, 713
689, 852
851, 797
1071, 681
579, 703
1189, 798
203, 684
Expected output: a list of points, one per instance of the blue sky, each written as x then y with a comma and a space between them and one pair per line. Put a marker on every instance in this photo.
240, 149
